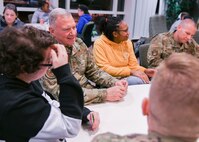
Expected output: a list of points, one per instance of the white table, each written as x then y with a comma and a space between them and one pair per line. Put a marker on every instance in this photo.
124, 117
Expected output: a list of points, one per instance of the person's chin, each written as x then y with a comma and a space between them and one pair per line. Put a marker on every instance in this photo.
10, 22
186, 41
126, 38
70, 43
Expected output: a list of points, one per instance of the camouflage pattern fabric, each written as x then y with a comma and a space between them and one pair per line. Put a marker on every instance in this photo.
164, 45
109, 137
86, 72
153, 137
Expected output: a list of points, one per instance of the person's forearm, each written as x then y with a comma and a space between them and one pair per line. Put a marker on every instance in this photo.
71, 94
94, 95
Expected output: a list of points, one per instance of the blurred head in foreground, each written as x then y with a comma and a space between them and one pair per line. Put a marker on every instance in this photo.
173, 103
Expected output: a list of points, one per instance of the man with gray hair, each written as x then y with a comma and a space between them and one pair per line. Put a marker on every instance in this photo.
98, 86
181, 40
172, 108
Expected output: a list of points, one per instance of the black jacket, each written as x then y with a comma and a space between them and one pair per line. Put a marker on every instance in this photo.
28, 113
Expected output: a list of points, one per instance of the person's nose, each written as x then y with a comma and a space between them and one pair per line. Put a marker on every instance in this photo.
189, 37
73, 31
128, 33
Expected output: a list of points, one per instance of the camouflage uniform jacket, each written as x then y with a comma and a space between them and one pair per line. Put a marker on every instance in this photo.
85, 71
109, 137
164, 45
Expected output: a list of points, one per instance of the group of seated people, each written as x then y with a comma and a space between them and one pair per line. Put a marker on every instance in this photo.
10, 15
48, 76
40, 18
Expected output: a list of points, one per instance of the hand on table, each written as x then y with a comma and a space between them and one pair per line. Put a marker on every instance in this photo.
115, 93
94, 120
122, 83
141, 75
150, 72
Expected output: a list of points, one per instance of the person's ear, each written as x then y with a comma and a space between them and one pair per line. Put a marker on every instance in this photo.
51, 30
145, 106
179, 27
115, 34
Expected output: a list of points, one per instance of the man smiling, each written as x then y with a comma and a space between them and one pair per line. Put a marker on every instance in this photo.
98, 86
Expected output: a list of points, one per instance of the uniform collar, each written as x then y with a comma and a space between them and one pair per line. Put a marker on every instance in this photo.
167, 138
75, 47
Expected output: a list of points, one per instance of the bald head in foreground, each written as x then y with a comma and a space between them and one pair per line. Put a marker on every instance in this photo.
172, 107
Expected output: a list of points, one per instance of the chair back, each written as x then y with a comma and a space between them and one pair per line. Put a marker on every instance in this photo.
157, 24
30, 17
143, 49
87, 33
196, 37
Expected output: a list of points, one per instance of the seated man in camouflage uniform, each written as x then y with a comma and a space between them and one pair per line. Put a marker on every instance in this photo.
172, 107
63, 27
164, 44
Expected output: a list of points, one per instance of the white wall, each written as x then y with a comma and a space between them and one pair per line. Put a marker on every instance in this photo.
130, 11
1, 7
137, 13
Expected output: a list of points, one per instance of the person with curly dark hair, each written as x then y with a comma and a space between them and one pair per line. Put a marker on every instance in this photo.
27, 112
122, 62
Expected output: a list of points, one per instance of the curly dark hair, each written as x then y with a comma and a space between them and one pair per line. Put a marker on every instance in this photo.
21, 50
109, 25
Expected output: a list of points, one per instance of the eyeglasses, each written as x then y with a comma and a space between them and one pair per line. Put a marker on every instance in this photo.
123, 30
46, 65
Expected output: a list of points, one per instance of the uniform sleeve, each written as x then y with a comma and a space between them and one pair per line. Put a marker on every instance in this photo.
196, 48
49, 83
92, 73
154, 52
100, 78
110, 137
97, 75
94, 95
